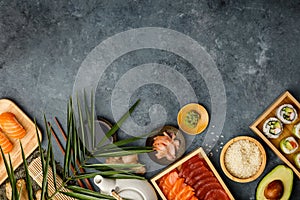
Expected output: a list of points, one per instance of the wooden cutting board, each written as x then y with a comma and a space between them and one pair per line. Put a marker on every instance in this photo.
29, 142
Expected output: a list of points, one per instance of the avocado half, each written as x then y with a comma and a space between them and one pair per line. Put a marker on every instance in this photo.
281, 173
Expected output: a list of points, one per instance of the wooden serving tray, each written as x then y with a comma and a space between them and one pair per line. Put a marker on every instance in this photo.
29, 142
202, 154
257, 127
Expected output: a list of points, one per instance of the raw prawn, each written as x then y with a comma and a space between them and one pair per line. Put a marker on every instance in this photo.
166, 146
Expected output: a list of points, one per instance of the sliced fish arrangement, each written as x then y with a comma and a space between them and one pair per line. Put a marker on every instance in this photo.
9, 128
192, 180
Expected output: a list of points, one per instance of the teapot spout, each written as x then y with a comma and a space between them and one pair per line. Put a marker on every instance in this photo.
104, 184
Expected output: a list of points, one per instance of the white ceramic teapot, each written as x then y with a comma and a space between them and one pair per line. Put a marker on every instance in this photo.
126, 188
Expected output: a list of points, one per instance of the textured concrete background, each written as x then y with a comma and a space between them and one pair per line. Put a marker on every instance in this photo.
255, 45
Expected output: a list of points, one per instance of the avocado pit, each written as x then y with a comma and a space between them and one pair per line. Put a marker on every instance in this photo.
274, 190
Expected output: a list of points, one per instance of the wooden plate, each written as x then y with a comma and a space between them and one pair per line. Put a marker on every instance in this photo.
274, 144
29, 142
260, 170
202, 123
201, 153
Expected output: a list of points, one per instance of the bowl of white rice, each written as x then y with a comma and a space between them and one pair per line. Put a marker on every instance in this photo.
243, 159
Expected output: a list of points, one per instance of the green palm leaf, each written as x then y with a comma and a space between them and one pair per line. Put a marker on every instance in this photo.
28, 180
81, 126
67, 160
46, 169
89, 192
118, 124
84, 196
121, 152
52, 160
103, 166
11, 176
13, 181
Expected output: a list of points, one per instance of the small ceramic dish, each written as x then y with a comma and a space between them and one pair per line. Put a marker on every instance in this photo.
193, 118
160, 132
243, 161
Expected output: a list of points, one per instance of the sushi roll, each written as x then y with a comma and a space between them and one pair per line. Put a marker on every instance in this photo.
286, 113
296, 130
297, 160
289, 145
272, 128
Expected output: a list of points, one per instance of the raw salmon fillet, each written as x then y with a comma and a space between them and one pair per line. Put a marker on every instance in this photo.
10, 126
5, 144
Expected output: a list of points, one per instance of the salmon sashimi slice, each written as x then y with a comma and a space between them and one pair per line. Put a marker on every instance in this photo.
10, 125
185, 194
178, 186
193, 198
171, 179
5, 144
167, 181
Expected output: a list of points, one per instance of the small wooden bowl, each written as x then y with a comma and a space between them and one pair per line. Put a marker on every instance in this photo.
260, 170
202, 123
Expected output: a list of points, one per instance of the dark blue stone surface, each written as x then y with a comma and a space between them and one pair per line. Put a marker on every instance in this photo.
254, 45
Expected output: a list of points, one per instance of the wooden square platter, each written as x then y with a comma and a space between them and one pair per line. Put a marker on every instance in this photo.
29, 141
274, 144
177, 164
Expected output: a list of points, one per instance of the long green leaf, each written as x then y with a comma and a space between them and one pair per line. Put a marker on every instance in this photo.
67, 157
111, 166
19, 197
88, 117
45, 170
13, 180
80, 147
126, 176
92, 117
40, 145
28, 179
81, 126
127, 148
6, 164
124, 141
82, 196
122, 153
10, 176
74, 142
88, 192
84, 176
118, 124
52, 160
102, 173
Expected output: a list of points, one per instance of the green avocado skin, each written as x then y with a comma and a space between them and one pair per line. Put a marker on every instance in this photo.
280, 172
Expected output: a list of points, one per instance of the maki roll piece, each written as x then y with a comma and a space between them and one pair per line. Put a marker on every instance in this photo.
296, 130
289, 145
272, 128
286, 113
297, 160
